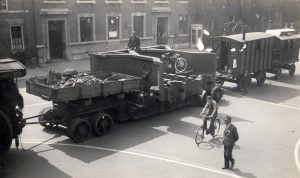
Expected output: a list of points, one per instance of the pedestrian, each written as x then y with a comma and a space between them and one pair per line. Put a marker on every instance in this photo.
230, 137
134, 42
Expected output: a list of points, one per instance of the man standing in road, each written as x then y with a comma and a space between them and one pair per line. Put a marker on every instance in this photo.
230, 137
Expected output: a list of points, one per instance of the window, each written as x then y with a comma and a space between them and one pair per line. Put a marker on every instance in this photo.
3, 4
277, 18
242, 3
86, 28
226, 3
138, 23
183, 24
113, 27
17, 43
183, 1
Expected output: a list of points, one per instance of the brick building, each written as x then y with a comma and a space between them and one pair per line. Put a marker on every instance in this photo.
70, 29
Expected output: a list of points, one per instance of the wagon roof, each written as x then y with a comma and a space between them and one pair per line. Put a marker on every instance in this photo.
284, 34
11, 67
251, 36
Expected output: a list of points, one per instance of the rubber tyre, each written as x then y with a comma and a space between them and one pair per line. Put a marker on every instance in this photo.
102, 123
278, 74
260, 78
47, 116
6, 135
216, 127
79, 130
199, 136
292, 69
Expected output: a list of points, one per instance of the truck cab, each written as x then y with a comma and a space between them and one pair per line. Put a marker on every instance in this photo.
11, 103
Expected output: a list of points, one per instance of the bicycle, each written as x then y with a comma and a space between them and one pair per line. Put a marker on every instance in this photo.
200, 132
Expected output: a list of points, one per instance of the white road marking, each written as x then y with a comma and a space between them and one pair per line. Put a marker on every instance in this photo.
40, 141
296, 151
290, 107
39, 104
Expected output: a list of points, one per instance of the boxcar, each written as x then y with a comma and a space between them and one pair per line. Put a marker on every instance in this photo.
285, 51
241, 54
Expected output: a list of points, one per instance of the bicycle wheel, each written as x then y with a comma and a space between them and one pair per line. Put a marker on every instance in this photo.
216, 127
199, 136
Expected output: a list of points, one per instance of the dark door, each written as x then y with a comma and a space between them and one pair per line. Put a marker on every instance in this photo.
56, 41
162, 30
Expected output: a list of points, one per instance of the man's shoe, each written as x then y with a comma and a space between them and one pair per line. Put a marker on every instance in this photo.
232, 164
225, 167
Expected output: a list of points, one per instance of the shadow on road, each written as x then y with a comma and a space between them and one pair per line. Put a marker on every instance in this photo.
269, 92
129, 134
243, 174
21, 163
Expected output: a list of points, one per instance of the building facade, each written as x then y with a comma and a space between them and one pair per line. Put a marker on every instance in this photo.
44, 30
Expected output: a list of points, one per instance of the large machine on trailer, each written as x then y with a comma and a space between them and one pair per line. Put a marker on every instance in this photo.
11, 104
128, 85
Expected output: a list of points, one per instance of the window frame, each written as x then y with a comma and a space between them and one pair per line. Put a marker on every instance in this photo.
93, 26
6, 5
144, 22
120, 25
86, 1
54, 2
139, 1
187, 21
11, 41
113, 2
162, 1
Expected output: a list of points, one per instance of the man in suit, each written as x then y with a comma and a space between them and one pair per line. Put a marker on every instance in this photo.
134, 42
230, 137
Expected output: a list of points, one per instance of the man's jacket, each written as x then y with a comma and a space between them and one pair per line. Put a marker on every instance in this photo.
230, 135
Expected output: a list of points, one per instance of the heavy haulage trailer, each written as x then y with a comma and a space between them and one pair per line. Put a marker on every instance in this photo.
256, 53
133, 85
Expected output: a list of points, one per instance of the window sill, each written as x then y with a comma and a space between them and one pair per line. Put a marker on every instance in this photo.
86, 2
138, 2
183, 2
162, 2
54, 2
113, 2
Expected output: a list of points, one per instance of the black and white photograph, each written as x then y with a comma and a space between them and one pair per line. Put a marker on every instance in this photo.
149, 89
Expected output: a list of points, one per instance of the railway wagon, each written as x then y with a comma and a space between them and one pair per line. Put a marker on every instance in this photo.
285, 51
241, 54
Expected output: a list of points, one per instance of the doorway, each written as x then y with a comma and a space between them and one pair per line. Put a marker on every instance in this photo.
56, 32
162, 30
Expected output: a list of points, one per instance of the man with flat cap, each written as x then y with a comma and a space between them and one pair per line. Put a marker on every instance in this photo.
230, 137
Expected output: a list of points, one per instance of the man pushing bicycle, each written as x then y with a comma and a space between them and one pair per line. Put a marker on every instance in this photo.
211, 110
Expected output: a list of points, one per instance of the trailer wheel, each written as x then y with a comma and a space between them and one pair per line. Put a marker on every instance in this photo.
292, 69
102, 123
79, 130
278, 73
260, 78
47, 116
6, 135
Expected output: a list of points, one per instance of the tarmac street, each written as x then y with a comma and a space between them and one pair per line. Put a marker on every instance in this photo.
162, 146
